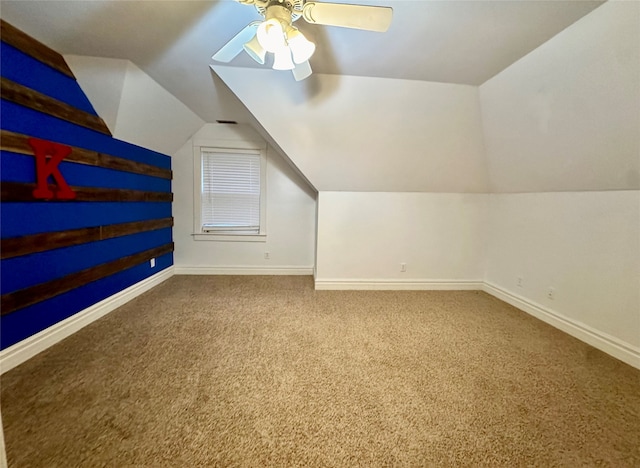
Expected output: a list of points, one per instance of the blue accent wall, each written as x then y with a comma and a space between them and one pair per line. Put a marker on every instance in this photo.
19, 219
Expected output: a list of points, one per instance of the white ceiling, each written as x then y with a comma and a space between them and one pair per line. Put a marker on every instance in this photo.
464, 42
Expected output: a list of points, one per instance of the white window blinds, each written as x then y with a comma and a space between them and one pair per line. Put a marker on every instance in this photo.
230, 190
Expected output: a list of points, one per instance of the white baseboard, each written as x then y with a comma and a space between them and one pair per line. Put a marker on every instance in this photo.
609, 344
243, 270
600, 340
20, 352
393, 284
29, 347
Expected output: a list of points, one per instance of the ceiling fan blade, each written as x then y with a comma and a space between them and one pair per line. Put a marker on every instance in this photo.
370, 18
302, 71
232, 48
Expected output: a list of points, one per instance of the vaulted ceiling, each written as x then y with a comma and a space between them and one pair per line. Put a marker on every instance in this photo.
448, 41
458, 96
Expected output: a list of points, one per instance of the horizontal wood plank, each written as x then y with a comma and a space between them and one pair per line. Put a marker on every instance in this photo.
27, 97
41, 292
19, 143
26, 245
21, 192
33, 48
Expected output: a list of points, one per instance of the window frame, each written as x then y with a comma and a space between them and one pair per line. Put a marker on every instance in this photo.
228, 146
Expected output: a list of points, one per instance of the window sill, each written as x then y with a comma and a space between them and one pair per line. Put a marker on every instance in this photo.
230, 238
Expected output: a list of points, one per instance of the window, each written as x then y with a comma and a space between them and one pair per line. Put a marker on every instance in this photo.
230, 194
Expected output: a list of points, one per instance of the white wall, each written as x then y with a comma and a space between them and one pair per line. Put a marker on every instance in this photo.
567, 115
585, 245
135, 108
291, 211
354, 133
364, 237
563, 123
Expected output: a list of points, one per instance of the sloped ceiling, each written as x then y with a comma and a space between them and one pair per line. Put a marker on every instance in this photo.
567, 116
136, 108
398, 111
102, 80
371, 134
464, 42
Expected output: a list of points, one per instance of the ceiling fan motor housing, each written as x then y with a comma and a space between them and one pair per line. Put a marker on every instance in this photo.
293, 9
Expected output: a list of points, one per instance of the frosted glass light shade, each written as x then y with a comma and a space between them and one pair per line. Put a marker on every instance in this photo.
255, 50
271, 35
301, 48
302, 71
282, 59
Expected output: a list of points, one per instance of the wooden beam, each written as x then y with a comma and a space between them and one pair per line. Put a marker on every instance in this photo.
41, 292
35, 49
21, 192
27, 97
18, 143
26, 245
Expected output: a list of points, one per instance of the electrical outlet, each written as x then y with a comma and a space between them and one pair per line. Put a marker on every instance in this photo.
267, 256
551, 293
152, 263
519, 281
403, 267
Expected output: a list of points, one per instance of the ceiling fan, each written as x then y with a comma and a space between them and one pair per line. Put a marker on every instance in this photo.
277, 35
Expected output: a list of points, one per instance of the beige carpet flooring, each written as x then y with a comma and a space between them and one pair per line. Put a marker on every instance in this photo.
265, 371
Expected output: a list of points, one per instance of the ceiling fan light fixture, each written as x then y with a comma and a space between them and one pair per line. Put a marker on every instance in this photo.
271, 35
292, 50
255, 50
282, 59
301, 48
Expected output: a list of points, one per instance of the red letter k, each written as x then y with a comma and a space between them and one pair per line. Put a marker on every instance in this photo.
48, 156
